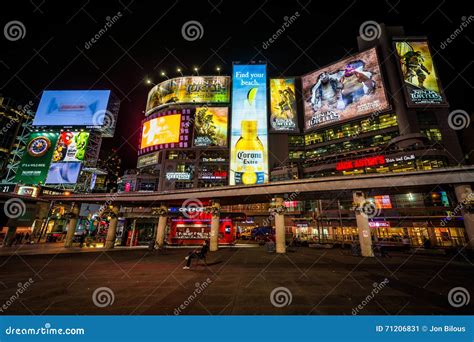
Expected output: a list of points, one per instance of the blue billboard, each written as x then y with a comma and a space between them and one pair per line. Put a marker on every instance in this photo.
63, 173
249, 133
69, 108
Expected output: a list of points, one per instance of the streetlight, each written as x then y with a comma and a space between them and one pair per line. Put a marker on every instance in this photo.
164, 75
179, 71
148, 81
218, 70
197, 70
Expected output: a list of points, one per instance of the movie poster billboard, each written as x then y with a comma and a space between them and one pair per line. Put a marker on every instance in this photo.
36, 159
71, 147
344, 90
249, 135
63, 173
68, 108
191, 89
421, 83
210, 126
283, 114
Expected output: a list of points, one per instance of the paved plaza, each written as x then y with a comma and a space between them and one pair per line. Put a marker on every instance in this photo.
236, 281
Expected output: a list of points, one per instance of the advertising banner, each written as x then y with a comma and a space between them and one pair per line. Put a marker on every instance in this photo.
161, 130
191, 89
36, 158
68, 108
421, 83
71, 147
63, 173
283, 114
210, 126
249, 135
344, 90
147, 160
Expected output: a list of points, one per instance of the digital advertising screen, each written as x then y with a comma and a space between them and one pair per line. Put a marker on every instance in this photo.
210, 126
419, 76
68, 108
191, 89
63, 173
344, 90
249, 135
161, 130
36, 159
71, 147
283, 113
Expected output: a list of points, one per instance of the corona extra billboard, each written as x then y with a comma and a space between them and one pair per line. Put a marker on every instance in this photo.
249, 135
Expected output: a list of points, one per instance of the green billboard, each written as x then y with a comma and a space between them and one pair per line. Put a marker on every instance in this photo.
34, 165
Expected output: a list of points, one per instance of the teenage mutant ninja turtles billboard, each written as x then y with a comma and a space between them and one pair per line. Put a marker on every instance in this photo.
344, 90
419, 76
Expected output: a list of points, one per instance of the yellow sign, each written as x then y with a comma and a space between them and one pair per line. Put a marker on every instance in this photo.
161, 130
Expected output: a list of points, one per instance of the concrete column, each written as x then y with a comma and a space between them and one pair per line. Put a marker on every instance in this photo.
280, 225
112, 231
9, 237
365, 237
161, 229
71, 225
215, 220
465, 196
432, 236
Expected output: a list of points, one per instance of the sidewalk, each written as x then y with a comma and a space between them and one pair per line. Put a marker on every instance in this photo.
58, 248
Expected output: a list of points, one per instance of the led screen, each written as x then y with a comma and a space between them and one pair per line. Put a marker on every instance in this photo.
161, 130
210, 126
283, 114
69, 108
249, 135
71, 147
63, 173
344, 90
421, 83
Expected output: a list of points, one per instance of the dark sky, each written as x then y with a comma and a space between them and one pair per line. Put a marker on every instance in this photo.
147, 39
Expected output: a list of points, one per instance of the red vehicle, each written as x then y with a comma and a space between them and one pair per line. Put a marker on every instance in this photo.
196, 229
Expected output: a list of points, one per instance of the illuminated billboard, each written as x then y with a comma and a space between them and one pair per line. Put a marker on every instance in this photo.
147, 160
210, 126
166, 129
421, 83
344, 90
71, 147
191, 89
249, 136
63, 173
283, 114
161, 130
35, 162
69, 108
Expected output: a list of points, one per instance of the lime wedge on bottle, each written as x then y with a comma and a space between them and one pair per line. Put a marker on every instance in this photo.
251, 95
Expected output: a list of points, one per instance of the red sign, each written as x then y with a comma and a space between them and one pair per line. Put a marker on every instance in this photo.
360, 163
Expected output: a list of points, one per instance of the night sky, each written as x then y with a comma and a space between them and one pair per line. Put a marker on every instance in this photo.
146, 39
